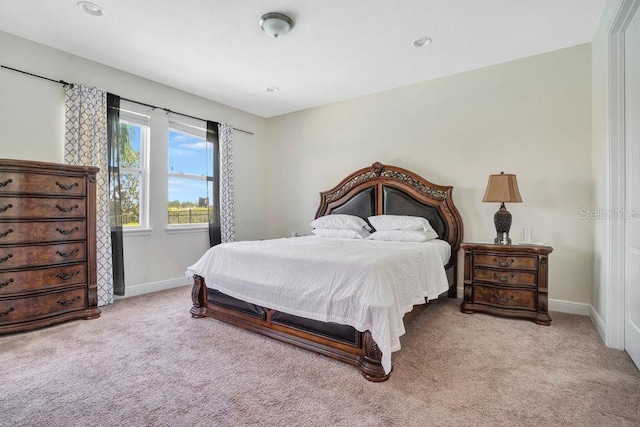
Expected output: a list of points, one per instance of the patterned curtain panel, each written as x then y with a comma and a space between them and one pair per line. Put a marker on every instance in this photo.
86, 145
227, 190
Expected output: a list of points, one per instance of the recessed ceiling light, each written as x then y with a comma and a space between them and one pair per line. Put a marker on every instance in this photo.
90, 8
422, 42
273, 89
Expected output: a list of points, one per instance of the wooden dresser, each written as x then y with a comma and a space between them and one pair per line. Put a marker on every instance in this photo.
507, 280
47, 244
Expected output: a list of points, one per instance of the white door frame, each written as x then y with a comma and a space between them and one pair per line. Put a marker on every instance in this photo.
615, 314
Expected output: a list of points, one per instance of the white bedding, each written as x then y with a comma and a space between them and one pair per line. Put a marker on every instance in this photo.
366, 284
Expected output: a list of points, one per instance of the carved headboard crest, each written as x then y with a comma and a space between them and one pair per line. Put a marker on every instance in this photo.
378, 170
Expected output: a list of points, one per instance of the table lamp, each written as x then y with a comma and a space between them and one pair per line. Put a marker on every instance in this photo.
503, 189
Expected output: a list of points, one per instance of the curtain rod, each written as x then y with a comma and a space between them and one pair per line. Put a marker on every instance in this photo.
62, 82
175, 112
65, 84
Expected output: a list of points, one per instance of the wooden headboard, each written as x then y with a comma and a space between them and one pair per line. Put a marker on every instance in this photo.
380, 189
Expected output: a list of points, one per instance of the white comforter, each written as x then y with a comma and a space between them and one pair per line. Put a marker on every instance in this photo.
369, 285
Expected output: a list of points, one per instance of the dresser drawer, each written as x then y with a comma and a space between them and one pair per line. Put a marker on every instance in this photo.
41, 207
37, 255
34, 232
20, 182
516, 262
15, 282
506, 277
512, 298
38, 306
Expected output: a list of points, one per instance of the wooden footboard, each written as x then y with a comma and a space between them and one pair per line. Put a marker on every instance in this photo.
363, 352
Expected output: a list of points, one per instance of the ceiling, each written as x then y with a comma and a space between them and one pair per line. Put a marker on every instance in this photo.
337, 50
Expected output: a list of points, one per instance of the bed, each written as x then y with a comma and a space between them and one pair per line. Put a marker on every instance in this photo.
343, 334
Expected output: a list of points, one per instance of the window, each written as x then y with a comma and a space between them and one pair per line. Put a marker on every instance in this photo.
190, 173
134, 170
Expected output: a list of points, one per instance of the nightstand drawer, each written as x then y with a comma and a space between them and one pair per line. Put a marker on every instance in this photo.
517, 262
505, 277
510, 298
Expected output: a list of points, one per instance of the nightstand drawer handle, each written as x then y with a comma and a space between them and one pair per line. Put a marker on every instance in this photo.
6, 208
6, 258
503, 279
5, 183
6, 233
504, 263
69, 301
503, 299
4, 313
5, 284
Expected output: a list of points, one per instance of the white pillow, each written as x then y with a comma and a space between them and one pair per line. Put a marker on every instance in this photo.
399, 222
403, 222
403, 235
341, 233
340, 221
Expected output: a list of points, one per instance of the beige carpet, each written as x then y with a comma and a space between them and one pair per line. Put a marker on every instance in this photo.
146, 362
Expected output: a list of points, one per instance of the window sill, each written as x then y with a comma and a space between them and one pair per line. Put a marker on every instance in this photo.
137, 232
195, 228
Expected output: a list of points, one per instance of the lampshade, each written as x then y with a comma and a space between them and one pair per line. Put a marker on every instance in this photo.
502, 188
276, 24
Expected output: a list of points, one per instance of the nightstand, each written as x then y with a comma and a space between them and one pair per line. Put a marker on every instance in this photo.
506, 280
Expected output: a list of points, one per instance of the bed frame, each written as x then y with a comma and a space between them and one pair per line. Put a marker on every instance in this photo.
374, 190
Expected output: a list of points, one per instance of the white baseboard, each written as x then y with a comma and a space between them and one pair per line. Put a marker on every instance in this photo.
145, 288
569, 307
559, 305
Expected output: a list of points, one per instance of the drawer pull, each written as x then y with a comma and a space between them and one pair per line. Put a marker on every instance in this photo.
4, 313
67, 186
69, 209
503, 299
6, 208
6, 258
69, 301
503, 279
68, 276
5, 183
6, 233
66, 232
5, 284
67, 254
504, 263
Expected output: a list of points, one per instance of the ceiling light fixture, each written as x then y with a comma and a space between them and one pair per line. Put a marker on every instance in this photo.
90, 8
276, 24
272, 89
422, 42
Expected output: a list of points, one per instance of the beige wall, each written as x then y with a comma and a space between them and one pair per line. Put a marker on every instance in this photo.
531, 117
32, 127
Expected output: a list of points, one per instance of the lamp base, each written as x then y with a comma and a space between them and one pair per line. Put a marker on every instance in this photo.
502, 240
502, 221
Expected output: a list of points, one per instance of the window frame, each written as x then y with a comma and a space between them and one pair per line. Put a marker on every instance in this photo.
135, 114
196, 128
